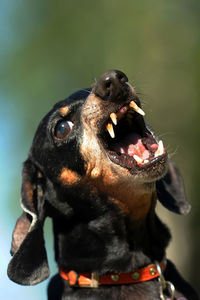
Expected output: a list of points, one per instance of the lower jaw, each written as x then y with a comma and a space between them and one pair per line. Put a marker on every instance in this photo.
148, 173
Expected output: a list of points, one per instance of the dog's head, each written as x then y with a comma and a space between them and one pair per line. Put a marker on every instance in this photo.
96, 141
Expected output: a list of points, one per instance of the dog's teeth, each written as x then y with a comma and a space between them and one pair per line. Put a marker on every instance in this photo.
160, 149
138, 159
110, 129
146, 161
113, 117
134, 106
122, 150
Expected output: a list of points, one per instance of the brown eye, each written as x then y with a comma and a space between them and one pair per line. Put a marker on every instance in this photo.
63, 128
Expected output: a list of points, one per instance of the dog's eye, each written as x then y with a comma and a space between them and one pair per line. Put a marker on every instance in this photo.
63, 128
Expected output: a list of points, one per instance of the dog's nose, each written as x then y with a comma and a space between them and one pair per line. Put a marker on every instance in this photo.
112, 86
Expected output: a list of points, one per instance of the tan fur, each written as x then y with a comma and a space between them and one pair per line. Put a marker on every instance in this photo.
103, 175
29, 193
68, 177
64, 110
20, 232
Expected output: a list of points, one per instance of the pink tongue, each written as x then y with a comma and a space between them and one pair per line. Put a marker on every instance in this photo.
137, 149
132, 145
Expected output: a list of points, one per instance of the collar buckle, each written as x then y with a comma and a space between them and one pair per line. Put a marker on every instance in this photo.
81, 280
165, 285
95, 280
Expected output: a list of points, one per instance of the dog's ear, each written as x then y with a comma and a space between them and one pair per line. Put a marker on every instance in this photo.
29, 265
170, 191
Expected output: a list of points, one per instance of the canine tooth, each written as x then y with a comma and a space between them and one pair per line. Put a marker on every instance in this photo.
113, 117
138, 159
133, 105
110, 129
146, 161
160, 149
122, 150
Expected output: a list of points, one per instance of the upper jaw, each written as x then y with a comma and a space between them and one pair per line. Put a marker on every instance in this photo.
114, 119
129, 142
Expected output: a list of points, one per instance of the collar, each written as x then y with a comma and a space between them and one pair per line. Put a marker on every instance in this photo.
93, 280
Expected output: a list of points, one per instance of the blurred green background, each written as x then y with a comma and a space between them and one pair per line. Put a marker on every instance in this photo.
48, 49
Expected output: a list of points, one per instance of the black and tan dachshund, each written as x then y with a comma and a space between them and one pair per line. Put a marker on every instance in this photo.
97, 169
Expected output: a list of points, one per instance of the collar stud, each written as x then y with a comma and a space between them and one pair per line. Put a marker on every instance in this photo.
152, 271
115, 277
135, 275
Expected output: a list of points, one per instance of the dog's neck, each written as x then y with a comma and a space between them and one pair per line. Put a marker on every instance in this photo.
98, 236
135, 204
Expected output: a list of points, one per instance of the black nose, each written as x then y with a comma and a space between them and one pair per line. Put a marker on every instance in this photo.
111, 86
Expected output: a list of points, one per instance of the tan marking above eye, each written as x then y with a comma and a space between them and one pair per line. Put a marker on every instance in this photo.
68, 177
64, 110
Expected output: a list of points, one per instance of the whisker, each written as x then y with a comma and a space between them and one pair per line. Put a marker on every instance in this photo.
171, 154
166, 133
86, 91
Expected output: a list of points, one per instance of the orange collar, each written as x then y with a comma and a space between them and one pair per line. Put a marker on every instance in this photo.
93, 280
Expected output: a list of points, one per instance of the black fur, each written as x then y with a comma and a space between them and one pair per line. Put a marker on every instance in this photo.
96, 227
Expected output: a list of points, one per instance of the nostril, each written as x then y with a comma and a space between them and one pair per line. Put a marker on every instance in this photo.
122, 77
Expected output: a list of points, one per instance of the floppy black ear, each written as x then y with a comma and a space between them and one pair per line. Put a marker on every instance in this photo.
29, 265
170, 191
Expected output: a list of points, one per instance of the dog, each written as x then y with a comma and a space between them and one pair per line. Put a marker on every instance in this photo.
97, 169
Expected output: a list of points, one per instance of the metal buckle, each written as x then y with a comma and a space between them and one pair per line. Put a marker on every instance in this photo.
165, 285
86, 282
95, 280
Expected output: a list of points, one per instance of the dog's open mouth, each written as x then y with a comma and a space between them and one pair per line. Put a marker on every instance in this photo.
127, 140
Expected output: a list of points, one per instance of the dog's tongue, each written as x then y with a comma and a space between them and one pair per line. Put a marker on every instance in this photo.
131, 145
